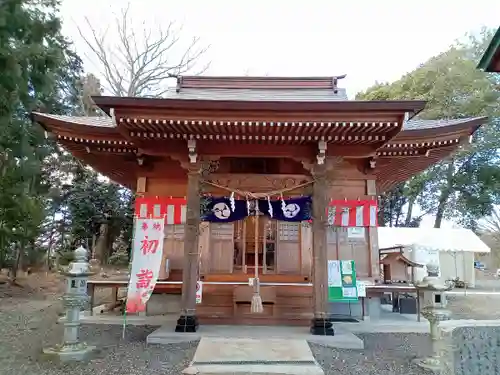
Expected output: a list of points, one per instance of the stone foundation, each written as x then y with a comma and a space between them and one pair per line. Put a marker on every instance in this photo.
470, 347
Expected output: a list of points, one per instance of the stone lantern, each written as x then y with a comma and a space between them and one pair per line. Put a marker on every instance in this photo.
74, 300
432, 290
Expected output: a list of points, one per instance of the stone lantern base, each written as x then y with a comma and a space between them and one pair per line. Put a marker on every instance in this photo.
69, 353
430, 363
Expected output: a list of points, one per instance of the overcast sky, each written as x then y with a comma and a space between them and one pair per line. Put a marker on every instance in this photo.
366, 39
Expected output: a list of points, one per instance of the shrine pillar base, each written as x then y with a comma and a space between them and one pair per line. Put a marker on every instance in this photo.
322, 327
187, 323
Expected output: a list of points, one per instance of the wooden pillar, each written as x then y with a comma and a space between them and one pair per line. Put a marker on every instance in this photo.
320, 324
371, 190
188, 322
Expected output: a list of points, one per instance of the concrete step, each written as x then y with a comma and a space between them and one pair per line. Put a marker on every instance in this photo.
224, 355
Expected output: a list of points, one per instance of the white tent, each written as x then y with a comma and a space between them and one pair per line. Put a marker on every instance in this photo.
453, 249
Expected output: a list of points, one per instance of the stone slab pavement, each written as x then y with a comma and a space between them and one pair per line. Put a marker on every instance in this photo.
343, 339
219, 355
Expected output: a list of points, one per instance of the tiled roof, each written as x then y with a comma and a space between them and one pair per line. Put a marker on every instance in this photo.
279, 95
107, 122
98, 121
433, 124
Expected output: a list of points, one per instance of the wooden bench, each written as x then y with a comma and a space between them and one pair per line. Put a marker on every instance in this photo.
114, 285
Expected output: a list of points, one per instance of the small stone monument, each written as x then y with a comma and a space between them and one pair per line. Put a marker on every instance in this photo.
74, 300
434, 301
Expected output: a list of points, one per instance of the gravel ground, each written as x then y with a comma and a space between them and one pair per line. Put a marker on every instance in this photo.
384, 354
23, 334
482, 307
28, 326
28, 322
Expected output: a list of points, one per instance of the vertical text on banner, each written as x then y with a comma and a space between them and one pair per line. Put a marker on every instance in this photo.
146, 260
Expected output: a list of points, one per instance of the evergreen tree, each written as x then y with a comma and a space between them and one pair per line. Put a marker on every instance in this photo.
465, 186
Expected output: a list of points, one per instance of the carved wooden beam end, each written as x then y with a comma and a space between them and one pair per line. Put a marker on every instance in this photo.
368, 166
321, 156
193, 155
328, 164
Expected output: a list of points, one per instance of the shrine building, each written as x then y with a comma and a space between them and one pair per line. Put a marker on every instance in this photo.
278, 141
490, 61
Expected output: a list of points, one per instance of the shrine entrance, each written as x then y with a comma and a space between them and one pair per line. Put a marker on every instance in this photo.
255, 244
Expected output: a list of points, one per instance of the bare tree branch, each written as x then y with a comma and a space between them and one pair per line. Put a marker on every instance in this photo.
140, 65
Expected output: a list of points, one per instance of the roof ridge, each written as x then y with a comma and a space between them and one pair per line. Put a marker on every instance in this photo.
249, 82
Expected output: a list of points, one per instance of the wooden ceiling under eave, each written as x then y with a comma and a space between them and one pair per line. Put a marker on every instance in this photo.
413, 151
118, 167
96, 142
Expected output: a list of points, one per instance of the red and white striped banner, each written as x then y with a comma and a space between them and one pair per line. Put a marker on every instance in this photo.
172, 209
341, 213
352, 213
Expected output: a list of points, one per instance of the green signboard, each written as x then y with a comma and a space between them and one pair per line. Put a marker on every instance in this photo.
342, 285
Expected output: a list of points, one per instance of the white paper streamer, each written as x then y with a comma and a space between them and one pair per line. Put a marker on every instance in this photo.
270, 207
231, 200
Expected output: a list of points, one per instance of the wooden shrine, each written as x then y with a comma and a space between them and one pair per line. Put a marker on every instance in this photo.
490, 61
273, 138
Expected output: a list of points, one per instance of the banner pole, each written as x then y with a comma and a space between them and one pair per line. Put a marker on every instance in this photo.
134, 223
124, 321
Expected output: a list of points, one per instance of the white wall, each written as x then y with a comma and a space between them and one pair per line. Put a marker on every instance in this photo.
458, 264
451, 264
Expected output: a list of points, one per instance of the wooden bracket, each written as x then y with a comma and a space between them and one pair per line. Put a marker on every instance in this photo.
321, 156
193, 156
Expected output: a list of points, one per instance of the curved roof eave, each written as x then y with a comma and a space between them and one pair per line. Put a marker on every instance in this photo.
77, 125
487, 62
108, 102
440, 127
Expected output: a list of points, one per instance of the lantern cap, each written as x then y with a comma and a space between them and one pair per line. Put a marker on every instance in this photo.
79, 266
81, 254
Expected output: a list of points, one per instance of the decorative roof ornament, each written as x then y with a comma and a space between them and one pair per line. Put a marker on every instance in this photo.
335, 81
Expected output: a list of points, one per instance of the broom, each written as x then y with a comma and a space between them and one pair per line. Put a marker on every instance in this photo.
256, 306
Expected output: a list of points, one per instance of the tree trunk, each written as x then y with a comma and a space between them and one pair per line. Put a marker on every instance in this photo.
92, 247
17, 262
409, 212
101, 246
381, 217
445, 194
399, 213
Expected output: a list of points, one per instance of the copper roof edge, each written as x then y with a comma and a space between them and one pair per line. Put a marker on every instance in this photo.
108, 102
474, 122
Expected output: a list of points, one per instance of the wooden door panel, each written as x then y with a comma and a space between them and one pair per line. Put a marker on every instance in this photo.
221, 252
306, 248
173, 249
288, 253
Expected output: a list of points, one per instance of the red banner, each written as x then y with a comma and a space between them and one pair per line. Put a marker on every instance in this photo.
172, 209
352, 213
341, 212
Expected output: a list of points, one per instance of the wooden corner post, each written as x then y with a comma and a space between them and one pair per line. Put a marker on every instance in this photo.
321, 172
320, 324
188, 321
